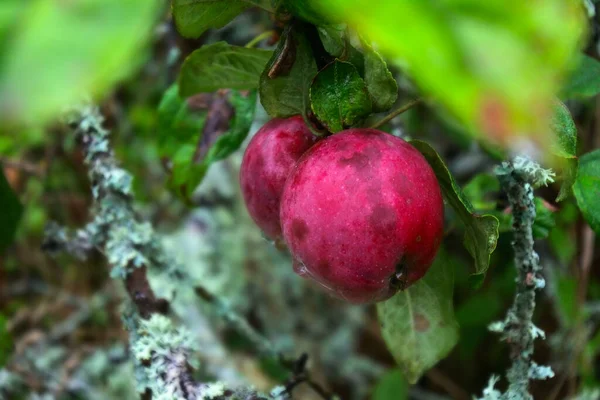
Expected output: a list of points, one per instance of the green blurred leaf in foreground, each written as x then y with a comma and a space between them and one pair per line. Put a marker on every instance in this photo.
418, 324
481, 231
61, 51
495, 65
391, 386
587, 188
222, 66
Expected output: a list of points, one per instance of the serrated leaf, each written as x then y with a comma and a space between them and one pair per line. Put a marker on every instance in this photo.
194, 17
565, 145
187, 173
339, 97
60, 52
391, 386
481, 231
587, 188
445, 48
10, 216
285, 82
565, 131
222, 66
380, 82
584, 81
418, 324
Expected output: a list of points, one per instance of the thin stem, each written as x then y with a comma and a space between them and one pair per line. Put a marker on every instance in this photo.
259, 38
396, 112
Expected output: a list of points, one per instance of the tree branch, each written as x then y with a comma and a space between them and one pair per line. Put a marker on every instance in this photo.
518, 178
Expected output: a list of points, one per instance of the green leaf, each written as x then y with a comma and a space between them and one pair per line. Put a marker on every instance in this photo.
310, 11
544, 220
479, 188
60, 52
285, 82
445, 48
587, 188
6, 341
584, 81
222, 66
193, 17
10, 216
418, 324
565, 131
339, 96
481, 231
391, 386
565, 145
178, 124
187, 174
380, 82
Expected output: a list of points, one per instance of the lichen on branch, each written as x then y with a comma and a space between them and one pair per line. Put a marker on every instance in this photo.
163, 351
518, 178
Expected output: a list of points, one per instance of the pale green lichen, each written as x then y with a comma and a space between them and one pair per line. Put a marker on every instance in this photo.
517, 179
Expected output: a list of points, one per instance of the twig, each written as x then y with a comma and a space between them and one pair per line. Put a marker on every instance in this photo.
395, 113
518, 179
161, 348
259, 38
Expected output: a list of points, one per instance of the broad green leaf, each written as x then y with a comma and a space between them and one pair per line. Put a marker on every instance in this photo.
310, 11
285, 82
418, 324
339, 96
187, 173
222, 66
565, 146
332, 39
587, 188
11, 213
481, 231
6, 341
178, 124
193, 17
445, 47
391, 386
544, 220
380, 82
584, 81
61, 51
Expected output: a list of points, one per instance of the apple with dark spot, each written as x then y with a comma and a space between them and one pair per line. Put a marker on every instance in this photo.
362, 214
267, 162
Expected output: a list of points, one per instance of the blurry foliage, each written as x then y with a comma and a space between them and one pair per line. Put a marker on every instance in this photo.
587, 188
489, 91
60, 52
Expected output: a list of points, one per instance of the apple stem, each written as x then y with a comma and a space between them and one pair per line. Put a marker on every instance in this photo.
395, 113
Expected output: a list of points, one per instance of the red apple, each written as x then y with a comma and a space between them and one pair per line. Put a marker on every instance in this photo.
267, 162
362, 214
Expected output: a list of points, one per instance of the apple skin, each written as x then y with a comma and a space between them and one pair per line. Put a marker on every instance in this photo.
267, 162
362, 214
